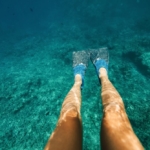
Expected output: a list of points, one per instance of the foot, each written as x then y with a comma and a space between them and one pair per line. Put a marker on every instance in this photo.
79, 70
101, 63
100, 59
80, 63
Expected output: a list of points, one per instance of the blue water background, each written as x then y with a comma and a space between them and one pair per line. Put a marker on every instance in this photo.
37, 39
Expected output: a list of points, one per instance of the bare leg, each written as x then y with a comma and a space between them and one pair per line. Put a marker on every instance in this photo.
116, 130
68, 132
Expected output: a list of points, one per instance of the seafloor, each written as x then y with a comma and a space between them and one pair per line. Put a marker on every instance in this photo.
36, 74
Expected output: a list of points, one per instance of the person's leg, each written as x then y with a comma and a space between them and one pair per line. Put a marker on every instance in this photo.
68, 132
116, 130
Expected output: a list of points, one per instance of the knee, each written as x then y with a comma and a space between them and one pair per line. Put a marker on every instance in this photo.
113, 107
72, 113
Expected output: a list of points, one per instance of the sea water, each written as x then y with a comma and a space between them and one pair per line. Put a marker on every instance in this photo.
37, 39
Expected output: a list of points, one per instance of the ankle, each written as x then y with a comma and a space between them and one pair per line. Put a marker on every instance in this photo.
78, 79
102, 73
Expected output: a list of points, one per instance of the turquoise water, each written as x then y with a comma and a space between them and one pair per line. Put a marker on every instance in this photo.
36, 45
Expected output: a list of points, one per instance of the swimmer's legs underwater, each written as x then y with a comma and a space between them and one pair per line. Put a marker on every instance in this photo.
116, 130
68, 132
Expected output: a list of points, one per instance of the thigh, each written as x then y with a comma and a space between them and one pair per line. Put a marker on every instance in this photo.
116, 130
67, 135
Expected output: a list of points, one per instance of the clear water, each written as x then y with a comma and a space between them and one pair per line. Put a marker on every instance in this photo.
36, 43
